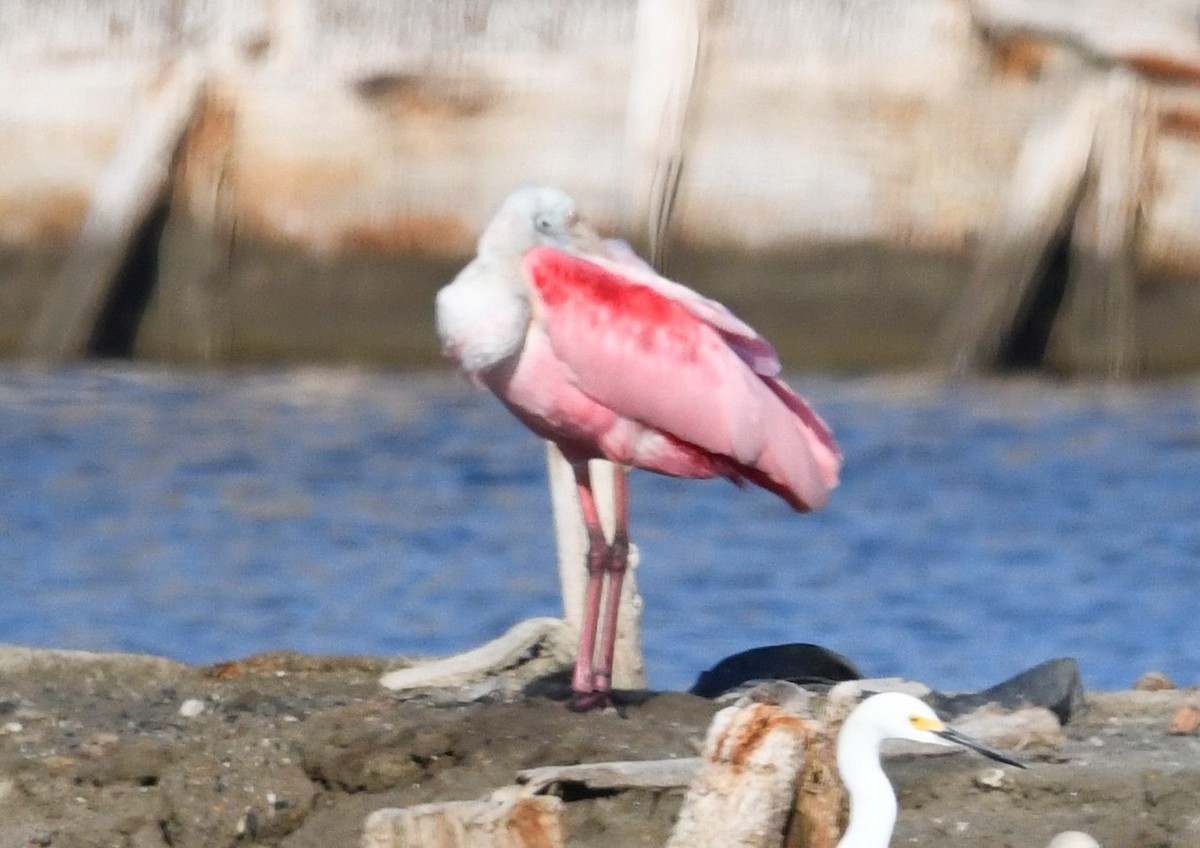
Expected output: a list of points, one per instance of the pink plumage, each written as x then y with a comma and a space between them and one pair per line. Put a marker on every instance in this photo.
671, 394
593, 350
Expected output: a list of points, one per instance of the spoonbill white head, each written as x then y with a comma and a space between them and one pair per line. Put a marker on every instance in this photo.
536, 216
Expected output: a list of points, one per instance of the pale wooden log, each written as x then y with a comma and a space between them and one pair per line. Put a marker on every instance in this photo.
507, 819
549, 635
126, 192
629, 664
746, 786
1096, 334
668, 52
637, 774
1039, 202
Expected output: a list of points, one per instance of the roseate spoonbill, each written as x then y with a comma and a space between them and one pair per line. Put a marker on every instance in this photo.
591, 349
889, 715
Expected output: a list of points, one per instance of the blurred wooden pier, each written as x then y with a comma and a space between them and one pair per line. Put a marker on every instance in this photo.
965, 184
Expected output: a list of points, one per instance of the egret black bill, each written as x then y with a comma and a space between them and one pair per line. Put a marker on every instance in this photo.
957, 738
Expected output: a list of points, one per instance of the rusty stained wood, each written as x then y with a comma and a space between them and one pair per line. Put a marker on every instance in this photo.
744, 792
507, 819
1159, 40
820, 809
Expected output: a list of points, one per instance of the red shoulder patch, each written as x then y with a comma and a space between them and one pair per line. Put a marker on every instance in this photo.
561, 279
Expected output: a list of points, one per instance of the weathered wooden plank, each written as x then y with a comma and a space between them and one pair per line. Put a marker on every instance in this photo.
635, 774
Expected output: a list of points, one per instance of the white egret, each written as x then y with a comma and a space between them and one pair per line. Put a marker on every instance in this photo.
889, 715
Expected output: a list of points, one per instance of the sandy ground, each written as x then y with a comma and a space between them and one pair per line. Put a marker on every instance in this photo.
287, 750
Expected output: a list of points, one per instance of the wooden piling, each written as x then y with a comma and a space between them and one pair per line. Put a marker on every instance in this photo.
668, 54
1038, 206
744, 792
820, 812
629, 663
1095, 334
128, 190
191, 302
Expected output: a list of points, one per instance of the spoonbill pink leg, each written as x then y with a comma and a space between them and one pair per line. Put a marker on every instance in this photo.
583, 685
591, 684
614, 565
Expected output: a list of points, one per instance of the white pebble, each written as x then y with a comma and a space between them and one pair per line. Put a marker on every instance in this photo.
992, 778
1073, 839
13, 727
191, 708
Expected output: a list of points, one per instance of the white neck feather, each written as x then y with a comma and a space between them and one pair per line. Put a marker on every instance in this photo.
872, 799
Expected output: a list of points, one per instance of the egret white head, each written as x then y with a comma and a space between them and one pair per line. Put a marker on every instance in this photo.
889, 715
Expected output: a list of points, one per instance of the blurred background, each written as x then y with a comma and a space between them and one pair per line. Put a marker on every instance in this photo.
970, 226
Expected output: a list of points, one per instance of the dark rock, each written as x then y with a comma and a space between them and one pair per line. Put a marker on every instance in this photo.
798, 662
1054, 684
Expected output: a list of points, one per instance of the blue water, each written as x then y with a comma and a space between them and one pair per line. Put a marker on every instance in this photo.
980, 527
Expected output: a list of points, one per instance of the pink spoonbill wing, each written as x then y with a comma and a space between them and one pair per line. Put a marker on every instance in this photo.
649, 357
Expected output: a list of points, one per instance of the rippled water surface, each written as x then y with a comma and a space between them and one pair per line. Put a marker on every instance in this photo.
979, 529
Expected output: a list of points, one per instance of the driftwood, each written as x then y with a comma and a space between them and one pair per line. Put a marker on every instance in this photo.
541, 645
507, 819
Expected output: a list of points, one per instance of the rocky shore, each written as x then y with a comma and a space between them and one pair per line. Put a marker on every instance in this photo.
292, 750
